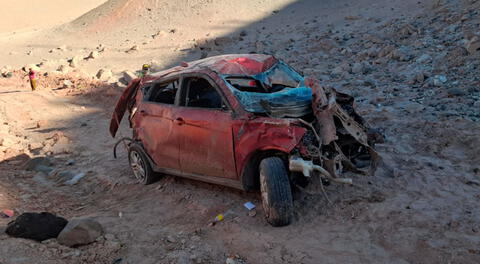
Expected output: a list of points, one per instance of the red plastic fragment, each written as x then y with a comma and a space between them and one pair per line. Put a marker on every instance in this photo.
7, 213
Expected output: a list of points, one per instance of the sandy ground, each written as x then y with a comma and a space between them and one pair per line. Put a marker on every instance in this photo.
420, 207
33, 15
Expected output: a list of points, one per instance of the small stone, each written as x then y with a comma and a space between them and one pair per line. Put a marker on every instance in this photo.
101, 48
80, 231
374, 39
473, 46
326, 44
160, 33
132, 49
458, 52
337, 71
370, 82
455, 92
67, 83
425, 58
358, 68
109, 237
401, 54
476, 105
386, 51
75, 61
128, 76
171, 239
203, 43
234, 260
222, 41
93, 55
406, 30
63, 69
104, 74
42, 123
420, 77
439, 80
62, 48
35, 145
75, 179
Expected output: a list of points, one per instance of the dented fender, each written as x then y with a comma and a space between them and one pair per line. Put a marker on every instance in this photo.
262, 134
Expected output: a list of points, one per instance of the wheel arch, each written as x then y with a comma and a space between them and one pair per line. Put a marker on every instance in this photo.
144, 152
250, 173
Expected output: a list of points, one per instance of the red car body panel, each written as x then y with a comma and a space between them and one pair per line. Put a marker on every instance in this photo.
262, 134
154, 126
206, 144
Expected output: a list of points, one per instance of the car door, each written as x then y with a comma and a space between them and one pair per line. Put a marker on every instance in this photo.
204, 122
155, 123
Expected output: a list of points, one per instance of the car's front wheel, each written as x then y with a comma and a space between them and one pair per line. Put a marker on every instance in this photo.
276, 192
140, 165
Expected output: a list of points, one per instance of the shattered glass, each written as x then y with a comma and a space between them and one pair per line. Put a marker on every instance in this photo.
279, 86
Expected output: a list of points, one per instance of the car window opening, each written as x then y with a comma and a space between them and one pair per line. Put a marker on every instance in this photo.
164, 92
202, 94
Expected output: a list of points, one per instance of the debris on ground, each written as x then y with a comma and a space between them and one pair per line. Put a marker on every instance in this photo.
249, 205
36, 226
7, 213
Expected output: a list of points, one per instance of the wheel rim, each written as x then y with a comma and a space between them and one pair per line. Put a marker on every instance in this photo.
264, 192
138, 165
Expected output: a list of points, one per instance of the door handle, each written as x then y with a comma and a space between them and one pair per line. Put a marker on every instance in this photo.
179, 121
143, 112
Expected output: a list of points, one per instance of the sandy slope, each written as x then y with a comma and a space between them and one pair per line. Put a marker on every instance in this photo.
24, 15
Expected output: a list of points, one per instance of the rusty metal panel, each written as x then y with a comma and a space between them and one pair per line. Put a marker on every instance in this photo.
263, 134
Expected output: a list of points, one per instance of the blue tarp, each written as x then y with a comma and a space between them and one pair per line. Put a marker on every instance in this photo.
287, 96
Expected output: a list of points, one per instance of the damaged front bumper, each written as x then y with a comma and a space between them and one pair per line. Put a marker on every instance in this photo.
337, 140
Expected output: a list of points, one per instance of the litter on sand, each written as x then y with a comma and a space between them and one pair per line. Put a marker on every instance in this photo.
7, 213
249, 205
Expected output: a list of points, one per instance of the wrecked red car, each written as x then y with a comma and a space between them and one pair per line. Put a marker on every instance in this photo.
246, 121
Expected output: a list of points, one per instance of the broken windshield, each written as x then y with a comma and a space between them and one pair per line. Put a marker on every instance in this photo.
277, 78
279, 85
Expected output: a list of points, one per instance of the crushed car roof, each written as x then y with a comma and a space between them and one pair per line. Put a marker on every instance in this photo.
232, 64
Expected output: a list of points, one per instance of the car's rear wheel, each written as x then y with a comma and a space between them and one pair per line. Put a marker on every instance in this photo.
276, 192
140, 165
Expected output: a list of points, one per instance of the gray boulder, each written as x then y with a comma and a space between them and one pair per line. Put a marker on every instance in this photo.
80, 231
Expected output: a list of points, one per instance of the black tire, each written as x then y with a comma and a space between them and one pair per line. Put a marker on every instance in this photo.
276, 192
140, 165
